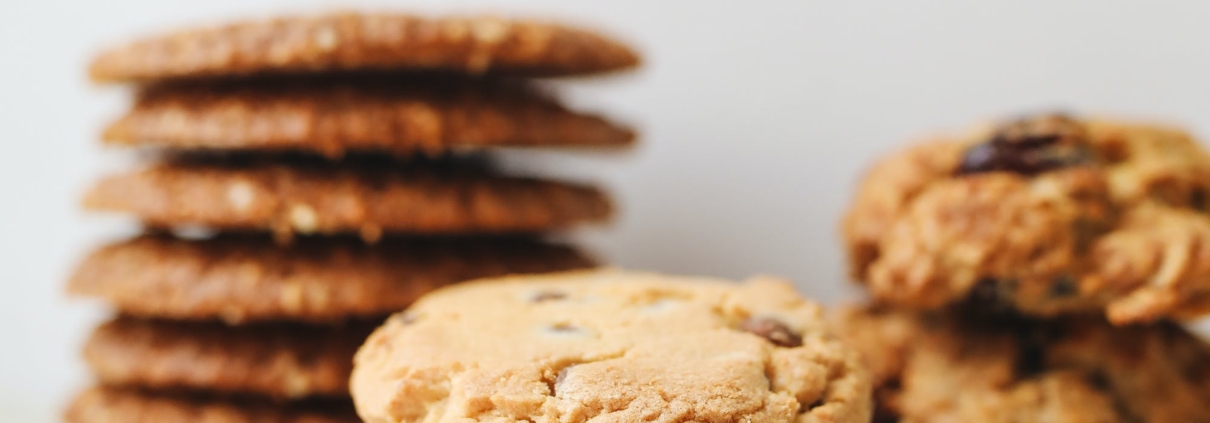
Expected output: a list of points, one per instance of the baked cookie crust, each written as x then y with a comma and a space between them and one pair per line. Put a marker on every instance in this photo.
248, 278
360, 41
364, 196
972, 367
124, 405
283, 360
334, 115
610, 346
1045, 215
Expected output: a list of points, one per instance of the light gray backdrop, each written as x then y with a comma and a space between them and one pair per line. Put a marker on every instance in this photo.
757, 115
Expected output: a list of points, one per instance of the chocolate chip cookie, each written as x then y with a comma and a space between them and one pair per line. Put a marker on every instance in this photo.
964, 366
1044, 215
330, 115
361, 41
610, 346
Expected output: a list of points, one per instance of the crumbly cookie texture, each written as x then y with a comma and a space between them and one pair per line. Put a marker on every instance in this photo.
332, 115
968, 367
352, 196
609, 346
1046, 215
284, 360
250, 278
357, 41
118, 405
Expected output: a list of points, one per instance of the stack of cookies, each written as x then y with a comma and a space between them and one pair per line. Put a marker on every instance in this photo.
1034, 271
309, 176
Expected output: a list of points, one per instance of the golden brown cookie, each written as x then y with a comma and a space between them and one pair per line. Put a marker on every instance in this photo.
1046, 215
251, 278
118, 405
971, 367
282, 360
610, 346
352, 196
357, 41
332, 115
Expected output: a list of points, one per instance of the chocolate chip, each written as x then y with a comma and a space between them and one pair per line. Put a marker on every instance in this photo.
772, 330
1197, 199
1031, 354
1100, 380
1064, 286
548, 296
993, 296
1031, 361
1030, 146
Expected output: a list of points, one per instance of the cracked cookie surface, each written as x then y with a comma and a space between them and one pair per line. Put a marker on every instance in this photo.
282, 360
358, 41
610, 346
119, 405
333, 115
247, 278
1046, 215
954, 366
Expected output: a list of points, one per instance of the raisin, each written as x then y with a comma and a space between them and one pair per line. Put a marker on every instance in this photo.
1029, 147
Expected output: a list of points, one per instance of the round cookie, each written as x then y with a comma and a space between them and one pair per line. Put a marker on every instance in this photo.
283, 360
967, 367
609, 346
116, 405
332, 115
363, 196
1045, 215
250, 278
363, 41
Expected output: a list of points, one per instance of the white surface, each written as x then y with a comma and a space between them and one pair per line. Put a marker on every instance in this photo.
757, 115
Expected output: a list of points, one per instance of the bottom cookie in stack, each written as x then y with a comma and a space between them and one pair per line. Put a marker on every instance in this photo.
239, 329
965, 367
125, 405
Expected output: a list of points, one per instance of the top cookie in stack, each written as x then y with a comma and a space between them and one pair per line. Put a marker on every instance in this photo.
356, 42
313, 131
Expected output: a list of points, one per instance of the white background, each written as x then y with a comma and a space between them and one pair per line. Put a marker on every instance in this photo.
757, 116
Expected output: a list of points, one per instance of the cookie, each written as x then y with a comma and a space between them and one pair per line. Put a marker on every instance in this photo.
250, 278
369, 112
116, 405
365, 41
281, 360
1045, 215
609, 346
352, 196
967, 367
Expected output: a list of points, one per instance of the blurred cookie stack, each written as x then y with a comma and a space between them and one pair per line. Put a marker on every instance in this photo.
336, 163
1033, 271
